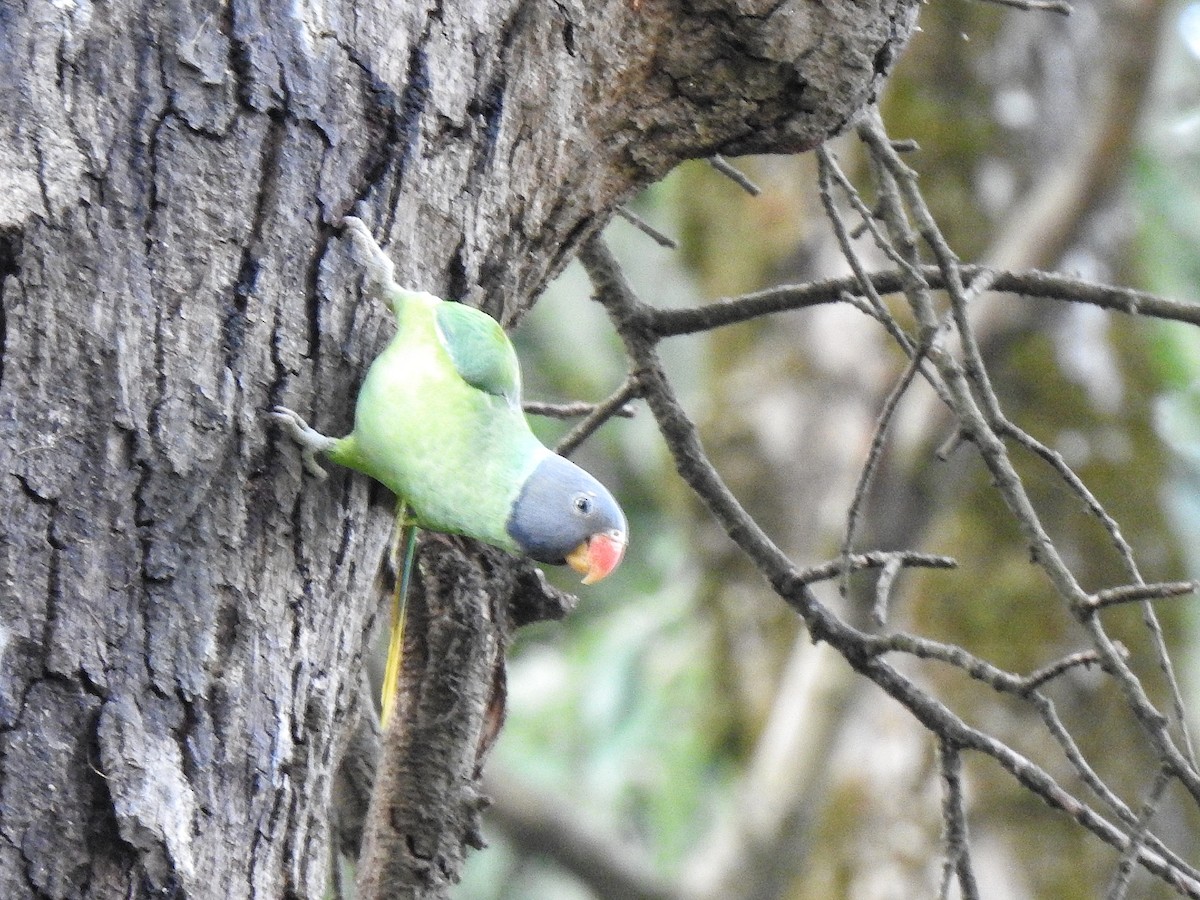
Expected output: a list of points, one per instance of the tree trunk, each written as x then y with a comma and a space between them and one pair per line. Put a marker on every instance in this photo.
183, 616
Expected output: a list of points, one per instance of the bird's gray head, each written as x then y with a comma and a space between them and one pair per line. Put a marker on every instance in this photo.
564, 515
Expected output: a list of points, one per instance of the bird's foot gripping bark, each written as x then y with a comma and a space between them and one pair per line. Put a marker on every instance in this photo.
310, 440
379, 274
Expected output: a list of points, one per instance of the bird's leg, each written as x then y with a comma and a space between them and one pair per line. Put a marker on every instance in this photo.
310, 440
379, 274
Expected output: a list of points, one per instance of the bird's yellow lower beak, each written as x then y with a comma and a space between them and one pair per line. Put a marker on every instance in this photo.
596, 557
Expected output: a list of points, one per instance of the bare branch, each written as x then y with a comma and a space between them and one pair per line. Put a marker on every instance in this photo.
1054, 6
571, 410
875, 559
874, 455
736, 175
883, 590
945, 349
1119, 886
1075, 483
941, 721
628, 314
827, 171
830, 172
951, 654
1040, 677
954, 818
646, 228
602, 412
1132, 593
1032, 284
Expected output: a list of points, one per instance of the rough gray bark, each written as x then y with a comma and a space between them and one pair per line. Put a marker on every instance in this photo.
183, 617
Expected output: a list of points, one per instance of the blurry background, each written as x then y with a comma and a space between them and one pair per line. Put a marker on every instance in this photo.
680, 708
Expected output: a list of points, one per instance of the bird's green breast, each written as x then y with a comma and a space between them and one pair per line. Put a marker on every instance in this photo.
457, 454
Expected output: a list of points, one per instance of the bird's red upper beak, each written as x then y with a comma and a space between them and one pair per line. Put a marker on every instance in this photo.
596, 557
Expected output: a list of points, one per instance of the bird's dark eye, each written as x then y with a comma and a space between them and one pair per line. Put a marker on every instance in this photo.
583, 504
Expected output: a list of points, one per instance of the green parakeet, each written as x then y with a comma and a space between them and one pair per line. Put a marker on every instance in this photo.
439, 421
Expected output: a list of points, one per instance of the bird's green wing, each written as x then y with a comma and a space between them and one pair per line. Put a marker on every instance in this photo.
480, 350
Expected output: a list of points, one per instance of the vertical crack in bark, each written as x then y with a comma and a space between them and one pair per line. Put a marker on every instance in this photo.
385, 108
312, 290
457, 284
412, 105
103, 827
299, 556
492, 110
144, 517
150, 180
10, 266
407, 124
54, 587
265, 830
240, 61
190, 765
233, 328
280, 371
40, 156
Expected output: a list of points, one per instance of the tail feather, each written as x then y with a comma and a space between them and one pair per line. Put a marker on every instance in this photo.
406, 531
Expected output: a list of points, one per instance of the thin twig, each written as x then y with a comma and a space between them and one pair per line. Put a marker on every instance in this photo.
1039, 677
1158, 639
1055, 6
734, 174
1092, 779
875, 559
602, 412
904, 255
883, 590
1075, 483
1133, 593
826, 170
647, 229
926, 648
828, 166
1119, 886
948, 446
874, 455
954, 818
570, 410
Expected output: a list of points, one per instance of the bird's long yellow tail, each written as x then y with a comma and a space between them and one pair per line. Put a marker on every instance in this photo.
406, 535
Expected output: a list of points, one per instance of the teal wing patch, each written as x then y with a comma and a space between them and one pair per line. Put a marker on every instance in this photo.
480, 350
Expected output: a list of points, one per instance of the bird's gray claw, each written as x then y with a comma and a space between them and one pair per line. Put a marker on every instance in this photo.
310, 440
